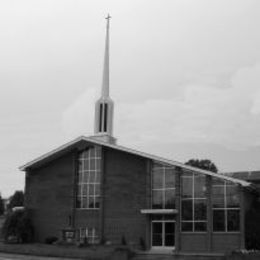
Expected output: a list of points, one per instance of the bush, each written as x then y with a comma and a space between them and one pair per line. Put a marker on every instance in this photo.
18, 225
142, 244
103, 241
50, 240
123, 253
123, 241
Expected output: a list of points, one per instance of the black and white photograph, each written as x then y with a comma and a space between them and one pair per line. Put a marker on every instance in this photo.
130, 130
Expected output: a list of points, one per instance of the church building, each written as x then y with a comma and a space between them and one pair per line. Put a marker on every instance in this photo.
96, 190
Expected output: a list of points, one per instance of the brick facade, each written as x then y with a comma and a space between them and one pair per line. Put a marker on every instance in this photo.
50, 195
124, 196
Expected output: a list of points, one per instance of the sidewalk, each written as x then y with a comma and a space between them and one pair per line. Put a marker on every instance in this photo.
4, 256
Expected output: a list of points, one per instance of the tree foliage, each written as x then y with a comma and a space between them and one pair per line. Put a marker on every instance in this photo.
2, 206
18, 225
252, 227
204, 164
16, 200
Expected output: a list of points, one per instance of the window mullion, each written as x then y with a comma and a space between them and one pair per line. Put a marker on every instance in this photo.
95, 177
163, 187
193, 203
225, 201
87, 184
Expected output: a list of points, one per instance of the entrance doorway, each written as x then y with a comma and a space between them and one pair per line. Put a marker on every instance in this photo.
163, 234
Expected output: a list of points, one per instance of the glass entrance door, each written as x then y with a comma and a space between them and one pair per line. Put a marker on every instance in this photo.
163, 234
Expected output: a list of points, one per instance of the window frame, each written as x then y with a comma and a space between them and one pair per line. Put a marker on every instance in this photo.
164, 189
84, 182
225, 184
193, 221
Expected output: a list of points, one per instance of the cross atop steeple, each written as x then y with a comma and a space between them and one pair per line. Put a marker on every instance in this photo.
108, 17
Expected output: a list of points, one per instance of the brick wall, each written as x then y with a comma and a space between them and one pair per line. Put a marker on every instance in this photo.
225, 242
124, 196
194, 242
49, 196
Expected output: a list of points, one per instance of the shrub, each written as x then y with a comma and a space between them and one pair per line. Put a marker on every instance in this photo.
18, 225
142, 244
50, 240
123, 241
85, 241
123, 253
103, 241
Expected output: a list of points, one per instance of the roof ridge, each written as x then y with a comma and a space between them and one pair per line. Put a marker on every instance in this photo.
133, 151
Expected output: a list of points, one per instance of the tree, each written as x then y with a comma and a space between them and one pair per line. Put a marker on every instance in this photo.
17, 200
204, 164
252, 227
18, 226
2, 206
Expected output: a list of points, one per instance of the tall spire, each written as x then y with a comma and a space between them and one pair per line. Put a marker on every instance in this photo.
105, 83
104, 106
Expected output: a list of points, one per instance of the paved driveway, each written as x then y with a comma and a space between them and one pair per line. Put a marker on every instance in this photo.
28, 257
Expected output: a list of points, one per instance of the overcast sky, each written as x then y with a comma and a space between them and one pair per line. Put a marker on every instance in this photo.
185, 78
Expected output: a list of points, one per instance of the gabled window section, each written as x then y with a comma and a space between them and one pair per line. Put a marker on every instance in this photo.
193, 202
88, 181
163, 187
225, 206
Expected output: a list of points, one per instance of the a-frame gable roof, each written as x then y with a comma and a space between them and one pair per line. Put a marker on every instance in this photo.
48, 157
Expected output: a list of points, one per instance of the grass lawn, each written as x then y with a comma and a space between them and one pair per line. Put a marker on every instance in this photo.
89, 253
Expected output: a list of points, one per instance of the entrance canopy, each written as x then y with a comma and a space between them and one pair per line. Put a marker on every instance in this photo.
159, 211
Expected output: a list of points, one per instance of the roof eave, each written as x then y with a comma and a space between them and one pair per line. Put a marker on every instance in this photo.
132, 151
46, 155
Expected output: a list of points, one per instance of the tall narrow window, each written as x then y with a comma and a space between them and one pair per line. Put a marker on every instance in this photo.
88, 192
100, 117
226, 206
193, 202
163, 187
105, 117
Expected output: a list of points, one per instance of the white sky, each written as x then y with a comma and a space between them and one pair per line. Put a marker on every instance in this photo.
185, 78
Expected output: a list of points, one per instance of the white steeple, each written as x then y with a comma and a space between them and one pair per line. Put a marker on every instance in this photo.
104, 106
105, 82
